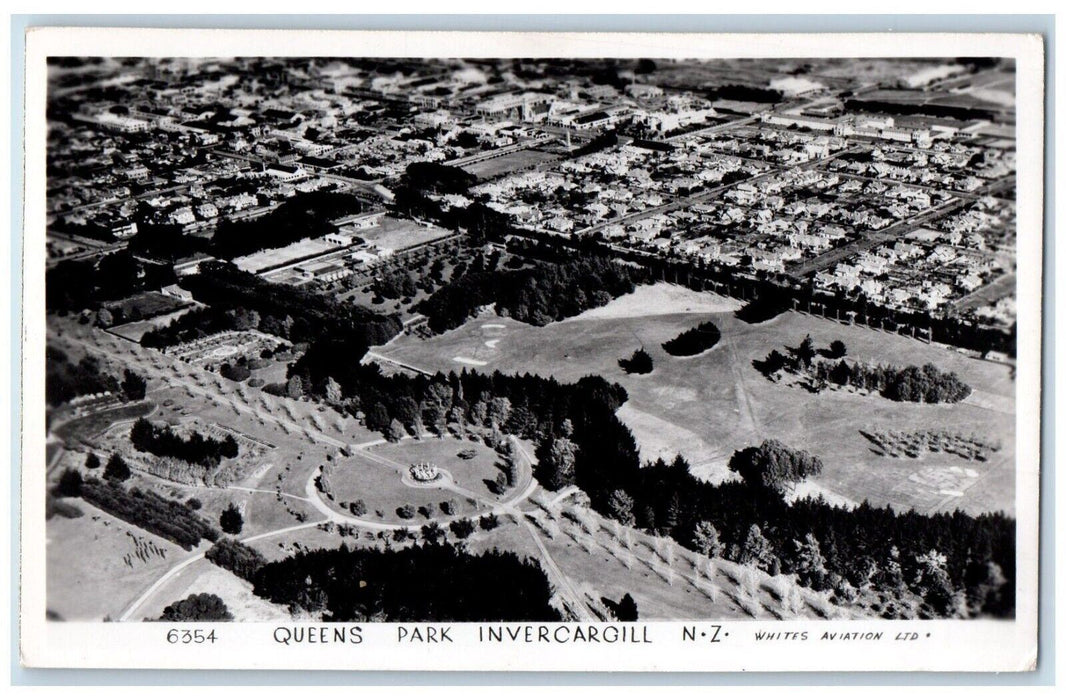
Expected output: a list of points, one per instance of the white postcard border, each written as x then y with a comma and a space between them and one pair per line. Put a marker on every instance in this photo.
971, 645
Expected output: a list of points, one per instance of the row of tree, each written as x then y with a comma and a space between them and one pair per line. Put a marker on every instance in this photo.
424, 583
925, 384
147, 510
195, 448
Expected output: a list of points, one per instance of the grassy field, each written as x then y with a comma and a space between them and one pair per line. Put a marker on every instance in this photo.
88, 577
377, 478
393, 234
710, 405
488, 169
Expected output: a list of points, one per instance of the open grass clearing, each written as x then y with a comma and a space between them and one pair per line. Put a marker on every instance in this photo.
708, 406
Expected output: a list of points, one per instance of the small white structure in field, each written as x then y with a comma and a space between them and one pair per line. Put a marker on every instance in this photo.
425, 472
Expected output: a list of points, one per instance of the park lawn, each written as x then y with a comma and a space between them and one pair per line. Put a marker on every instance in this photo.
381, 488
712, 404
473, 474
86, 577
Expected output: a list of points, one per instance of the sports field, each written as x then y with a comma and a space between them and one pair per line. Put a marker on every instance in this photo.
488, 169
712, 404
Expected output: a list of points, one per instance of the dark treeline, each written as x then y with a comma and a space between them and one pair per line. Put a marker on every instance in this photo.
744, 93
694, 341
303, 216
925, 384
162, 441
424, 583
65, 380
924, 109
545, 292
73, 285
168, 519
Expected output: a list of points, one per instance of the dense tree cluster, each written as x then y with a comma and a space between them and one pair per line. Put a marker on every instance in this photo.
236, 557
65, 380
428, 583
540, 294
73, 285
774, 465
694, 341
285, 311
305, 215
198, 607
162, 441
925, 384
929, 109
168, 519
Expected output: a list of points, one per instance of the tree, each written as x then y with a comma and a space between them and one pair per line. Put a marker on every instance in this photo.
69, 483
626, 611
357, 508
620, 507
92, 461
498, 411
448, 507
406, 511
432, 532
756, 549
557, 465
639, 362
334, 392
395, 431
231, 520
376, 418
707, 540
133, 385
117, 469
462, 528
809, 563
838, 349
295, 388
806, 352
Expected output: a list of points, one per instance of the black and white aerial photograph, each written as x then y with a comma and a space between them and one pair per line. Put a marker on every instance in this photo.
530, 340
